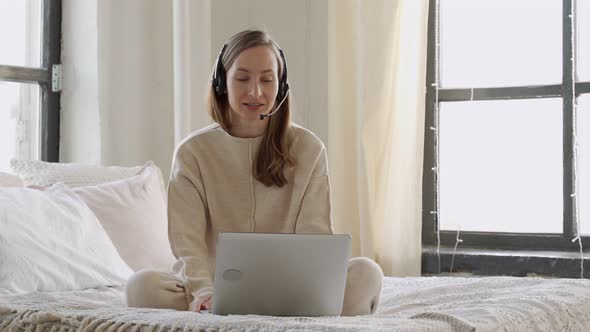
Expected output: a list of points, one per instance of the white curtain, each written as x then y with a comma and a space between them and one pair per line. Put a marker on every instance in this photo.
135, 73
192, 65
117, 99
135, 82
377, 74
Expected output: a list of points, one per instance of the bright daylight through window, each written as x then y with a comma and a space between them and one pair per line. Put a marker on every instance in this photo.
502, 157
20, 37
507, 135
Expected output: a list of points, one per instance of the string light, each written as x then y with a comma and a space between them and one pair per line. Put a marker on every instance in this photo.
457, 241
435, 128
574, 195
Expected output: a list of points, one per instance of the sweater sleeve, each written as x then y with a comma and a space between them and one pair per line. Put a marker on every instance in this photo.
187, 223
315, 210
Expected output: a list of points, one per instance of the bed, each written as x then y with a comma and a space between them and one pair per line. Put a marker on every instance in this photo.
55, 264
409, 304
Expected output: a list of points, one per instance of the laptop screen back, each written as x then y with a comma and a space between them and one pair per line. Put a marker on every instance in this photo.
280, 274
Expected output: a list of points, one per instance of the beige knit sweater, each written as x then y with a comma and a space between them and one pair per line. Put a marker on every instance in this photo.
212, 190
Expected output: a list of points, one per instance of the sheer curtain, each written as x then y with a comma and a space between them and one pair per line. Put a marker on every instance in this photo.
135, 73
377, 77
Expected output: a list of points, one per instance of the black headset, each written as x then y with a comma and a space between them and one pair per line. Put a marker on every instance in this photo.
219, 76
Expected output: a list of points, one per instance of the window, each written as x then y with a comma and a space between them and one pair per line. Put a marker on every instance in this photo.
502, 170
30, 35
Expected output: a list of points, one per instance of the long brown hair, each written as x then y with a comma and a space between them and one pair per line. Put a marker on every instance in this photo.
274, 153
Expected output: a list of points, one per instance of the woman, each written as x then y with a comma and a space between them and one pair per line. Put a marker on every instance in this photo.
251, 171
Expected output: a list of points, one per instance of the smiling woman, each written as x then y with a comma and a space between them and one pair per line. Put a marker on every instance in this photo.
249, 87
252, 87
253, 171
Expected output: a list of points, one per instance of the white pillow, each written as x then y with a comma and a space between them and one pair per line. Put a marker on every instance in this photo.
10, 180
51, 241
133, 213
44, 174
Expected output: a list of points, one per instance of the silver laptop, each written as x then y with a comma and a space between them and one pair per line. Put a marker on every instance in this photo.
280, 274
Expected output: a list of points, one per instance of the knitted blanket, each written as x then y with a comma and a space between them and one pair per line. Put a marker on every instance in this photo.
408, 304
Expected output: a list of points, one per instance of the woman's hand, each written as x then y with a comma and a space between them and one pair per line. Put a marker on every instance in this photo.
204, 302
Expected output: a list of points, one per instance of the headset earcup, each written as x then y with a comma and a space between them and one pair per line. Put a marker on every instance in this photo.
283, 89
218, 84
218, 81
222, 83
283, 85
214, 84
286, 90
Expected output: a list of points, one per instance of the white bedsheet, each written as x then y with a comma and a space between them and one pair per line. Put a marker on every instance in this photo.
409, 304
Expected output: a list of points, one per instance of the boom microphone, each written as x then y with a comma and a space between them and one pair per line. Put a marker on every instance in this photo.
262, 116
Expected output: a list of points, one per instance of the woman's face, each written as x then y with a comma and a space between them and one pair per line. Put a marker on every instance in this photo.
252, 83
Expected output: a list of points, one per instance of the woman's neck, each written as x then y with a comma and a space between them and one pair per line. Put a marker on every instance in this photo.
249, 130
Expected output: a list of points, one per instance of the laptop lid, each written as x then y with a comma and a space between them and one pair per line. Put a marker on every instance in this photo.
280, 274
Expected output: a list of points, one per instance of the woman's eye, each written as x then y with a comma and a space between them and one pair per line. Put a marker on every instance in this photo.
267, 80
241, 79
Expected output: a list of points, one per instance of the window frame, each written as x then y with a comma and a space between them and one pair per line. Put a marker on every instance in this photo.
491, 241
50, 94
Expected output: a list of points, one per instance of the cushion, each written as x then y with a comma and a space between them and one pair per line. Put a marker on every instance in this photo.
42, 173
133, 213
10, 180
51, 241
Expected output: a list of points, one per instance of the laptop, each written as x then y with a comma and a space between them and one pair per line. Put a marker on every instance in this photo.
280, 274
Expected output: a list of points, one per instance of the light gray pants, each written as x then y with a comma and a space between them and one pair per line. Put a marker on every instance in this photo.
154, 289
